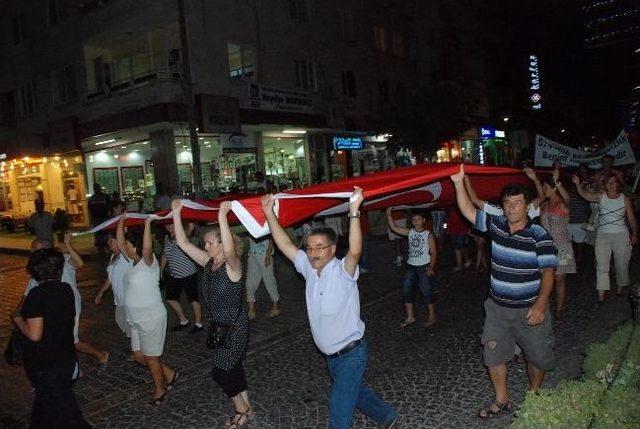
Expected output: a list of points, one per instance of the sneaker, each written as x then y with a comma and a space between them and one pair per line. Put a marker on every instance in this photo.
180, 326
196, 328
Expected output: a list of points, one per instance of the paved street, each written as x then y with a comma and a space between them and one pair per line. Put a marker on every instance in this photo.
434, 377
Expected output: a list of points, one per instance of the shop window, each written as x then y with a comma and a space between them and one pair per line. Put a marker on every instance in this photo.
285, 162
380, 38
64, 84
26, 100
299, 10
241, 61
18, 28
306, 75
397, 45
383, 87
56, 11
349, 83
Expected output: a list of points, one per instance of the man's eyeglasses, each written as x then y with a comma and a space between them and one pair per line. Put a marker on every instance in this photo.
317, 249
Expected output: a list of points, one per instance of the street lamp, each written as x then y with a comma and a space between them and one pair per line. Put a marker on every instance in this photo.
505, 119
563, 130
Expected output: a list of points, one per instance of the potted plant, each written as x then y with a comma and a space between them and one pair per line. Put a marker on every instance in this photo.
61, 223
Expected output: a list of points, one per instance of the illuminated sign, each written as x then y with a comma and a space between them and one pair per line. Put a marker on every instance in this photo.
500, 134
487, 132
348, 143
535, 85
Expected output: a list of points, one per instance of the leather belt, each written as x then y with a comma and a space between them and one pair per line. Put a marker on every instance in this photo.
352, 345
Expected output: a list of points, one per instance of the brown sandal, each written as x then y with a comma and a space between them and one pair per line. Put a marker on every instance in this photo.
240, 419
488, 412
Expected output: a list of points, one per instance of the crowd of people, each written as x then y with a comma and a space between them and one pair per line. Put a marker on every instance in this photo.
526, 245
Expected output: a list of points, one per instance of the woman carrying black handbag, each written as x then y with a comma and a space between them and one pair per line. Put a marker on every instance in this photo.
220, 289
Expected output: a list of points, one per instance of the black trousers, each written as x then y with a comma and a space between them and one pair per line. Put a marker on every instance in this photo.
55, 405
233, 381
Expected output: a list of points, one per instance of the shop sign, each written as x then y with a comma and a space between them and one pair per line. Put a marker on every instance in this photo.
268, 98
219, 114
347, 143
238, 143
487, 132
535, 85
500, 134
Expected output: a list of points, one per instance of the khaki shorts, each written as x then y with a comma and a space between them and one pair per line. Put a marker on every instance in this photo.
148, 333
504, 327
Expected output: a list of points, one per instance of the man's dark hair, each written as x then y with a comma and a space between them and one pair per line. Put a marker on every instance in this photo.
548, 180
418, 213
45, 264
327, 232
513, 189
135, 238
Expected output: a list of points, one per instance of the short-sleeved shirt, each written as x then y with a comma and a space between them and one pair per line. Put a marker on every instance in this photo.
179, 263
69, 277
333, 303
516, 259
54, 302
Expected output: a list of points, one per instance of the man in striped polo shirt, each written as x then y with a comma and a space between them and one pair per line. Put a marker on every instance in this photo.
523, 261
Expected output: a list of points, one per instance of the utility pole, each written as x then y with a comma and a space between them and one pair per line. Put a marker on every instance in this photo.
187, 91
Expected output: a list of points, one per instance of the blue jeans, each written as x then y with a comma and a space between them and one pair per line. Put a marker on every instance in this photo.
416, 274
349, 391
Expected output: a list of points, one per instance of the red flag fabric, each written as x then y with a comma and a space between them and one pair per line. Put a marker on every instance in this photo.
424, 185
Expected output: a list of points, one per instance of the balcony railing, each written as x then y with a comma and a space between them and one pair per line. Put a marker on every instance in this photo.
134, 81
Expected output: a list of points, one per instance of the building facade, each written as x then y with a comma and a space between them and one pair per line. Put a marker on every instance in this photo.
93, 92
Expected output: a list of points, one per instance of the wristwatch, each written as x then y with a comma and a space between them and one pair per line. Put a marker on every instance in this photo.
355, 215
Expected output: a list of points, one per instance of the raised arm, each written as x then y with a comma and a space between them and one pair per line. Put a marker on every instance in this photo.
120, 237
479, 203
536, 182
631, 218
279, 235
592, 197
199, 256
392, 224
355, 233
462, 198
76, 259
228, 246
147, 243
560, 187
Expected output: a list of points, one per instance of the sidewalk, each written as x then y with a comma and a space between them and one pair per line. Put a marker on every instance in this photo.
19, 243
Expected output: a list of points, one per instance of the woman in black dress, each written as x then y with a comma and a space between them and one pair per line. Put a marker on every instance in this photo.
221, 290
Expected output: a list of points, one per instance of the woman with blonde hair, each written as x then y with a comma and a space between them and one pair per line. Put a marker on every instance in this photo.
615, 219
220, 288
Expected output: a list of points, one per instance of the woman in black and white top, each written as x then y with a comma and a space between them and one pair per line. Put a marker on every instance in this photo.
221, 289
180, 273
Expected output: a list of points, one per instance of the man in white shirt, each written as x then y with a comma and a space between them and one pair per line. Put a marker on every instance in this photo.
333, 307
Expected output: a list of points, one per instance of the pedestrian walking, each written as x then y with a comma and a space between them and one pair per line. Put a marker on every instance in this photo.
579, 213
180, 274
554, 218
421, 263
333, 308
146, 313
72, 262
116, 272
260, 268
523, 260
41, 222
612, 238
98, 205
221, 289
46, 321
